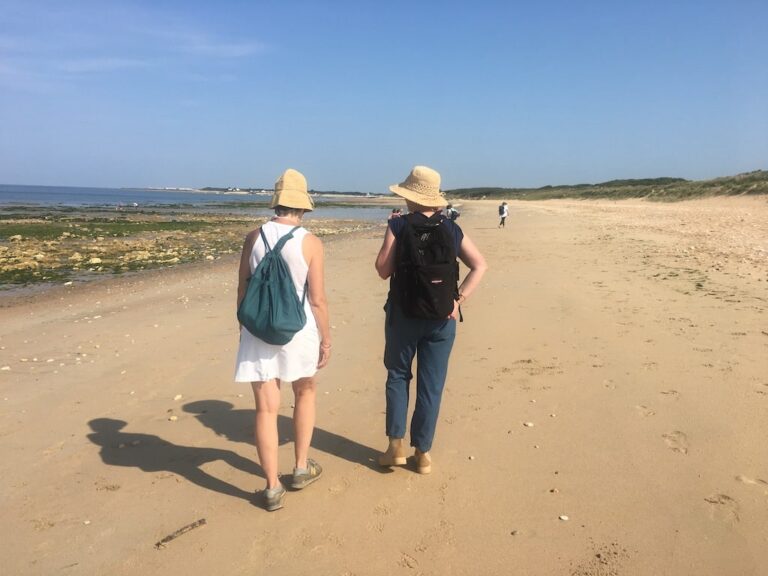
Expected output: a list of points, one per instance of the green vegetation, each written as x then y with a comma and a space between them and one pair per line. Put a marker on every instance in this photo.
39, 245
661, 189
46, 229
52, 244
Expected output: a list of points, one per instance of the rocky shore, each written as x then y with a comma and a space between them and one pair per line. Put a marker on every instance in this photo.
62, 245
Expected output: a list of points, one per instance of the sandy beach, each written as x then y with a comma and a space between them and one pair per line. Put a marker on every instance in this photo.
606, 412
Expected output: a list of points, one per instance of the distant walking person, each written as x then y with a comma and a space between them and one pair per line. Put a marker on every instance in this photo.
503, 213
266, 365
418, 256
451, 213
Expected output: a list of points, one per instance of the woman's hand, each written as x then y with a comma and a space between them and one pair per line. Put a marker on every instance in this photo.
455, 314
324, 356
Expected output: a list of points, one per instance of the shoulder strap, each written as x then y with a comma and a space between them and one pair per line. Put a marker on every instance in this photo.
278, 248
434, 220
264, 239
281, 242
409, 220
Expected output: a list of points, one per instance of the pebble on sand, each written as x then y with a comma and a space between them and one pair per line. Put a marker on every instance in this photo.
5, 368
528, 424
178, 397
173, 418
564, 518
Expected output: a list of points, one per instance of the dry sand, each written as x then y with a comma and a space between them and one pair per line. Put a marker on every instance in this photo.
633, 336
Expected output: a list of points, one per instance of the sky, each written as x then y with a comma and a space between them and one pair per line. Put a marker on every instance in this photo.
353, 94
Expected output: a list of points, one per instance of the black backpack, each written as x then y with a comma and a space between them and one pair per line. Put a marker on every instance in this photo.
425, 281
501, 210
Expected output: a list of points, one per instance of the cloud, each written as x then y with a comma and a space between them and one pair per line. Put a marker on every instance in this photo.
102, 64
187, 41
223, 49
41, 47
13, 77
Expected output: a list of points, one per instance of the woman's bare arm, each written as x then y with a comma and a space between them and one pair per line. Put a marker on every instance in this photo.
312, 248
385, 261
474, 260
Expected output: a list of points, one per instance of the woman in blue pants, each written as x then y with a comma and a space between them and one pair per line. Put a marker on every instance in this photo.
412, 335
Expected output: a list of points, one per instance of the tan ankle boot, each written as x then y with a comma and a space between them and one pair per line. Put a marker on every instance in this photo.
395, 454
423, 462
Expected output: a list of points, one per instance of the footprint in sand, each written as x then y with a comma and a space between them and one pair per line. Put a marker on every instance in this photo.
644, 411
340, 486
604, 560
380, 514
676, 441
407, 561
752, 481
723, 508
671, 394
441, 535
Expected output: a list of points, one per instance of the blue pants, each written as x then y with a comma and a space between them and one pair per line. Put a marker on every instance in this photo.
430, 341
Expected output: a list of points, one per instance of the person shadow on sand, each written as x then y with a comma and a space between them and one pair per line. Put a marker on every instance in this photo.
237, 426
153, 454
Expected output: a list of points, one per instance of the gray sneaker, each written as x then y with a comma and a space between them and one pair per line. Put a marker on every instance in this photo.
273, 499
302, 479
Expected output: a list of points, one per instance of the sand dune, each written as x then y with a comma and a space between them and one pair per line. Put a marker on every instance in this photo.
631, 337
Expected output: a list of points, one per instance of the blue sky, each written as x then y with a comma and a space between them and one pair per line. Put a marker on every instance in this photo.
353, 94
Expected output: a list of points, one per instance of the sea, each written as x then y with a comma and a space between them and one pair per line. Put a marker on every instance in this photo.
207, 202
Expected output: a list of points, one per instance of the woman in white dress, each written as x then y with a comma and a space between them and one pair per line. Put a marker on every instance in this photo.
267, 365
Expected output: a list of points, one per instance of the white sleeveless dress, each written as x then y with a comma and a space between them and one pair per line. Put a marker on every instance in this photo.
258, 361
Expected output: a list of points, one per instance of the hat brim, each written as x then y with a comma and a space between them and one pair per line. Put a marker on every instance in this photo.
292, 198
438, 201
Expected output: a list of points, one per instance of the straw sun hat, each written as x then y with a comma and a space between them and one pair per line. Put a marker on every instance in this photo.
422, 186
291, 191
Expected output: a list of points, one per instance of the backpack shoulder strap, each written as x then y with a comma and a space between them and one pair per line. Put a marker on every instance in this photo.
278, 247
408, 220
280, 243
264, 238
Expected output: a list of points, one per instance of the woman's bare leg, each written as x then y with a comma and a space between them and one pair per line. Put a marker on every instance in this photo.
267, 397
305, 391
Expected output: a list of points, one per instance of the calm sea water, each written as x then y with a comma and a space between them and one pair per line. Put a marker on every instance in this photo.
206, 202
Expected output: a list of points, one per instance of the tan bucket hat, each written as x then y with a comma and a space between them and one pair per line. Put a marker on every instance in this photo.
422, 187
291, 191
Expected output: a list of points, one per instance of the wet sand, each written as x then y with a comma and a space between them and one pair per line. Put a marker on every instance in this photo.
631, 335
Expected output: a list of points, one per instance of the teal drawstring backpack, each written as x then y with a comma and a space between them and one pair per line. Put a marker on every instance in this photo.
271, 310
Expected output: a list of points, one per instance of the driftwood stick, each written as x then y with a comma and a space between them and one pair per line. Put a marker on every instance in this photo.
179, 532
